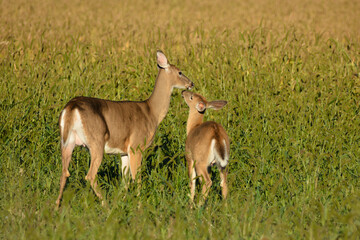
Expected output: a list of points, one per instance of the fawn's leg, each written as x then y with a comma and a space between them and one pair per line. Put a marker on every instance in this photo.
223, 183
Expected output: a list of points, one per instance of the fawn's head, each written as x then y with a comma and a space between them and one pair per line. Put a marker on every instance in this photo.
198, 102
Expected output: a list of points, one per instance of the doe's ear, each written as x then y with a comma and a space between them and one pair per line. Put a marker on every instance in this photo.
217, 105
200, 106
161, 59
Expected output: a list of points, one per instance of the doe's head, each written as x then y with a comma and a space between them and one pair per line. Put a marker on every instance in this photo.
197, 102
177, 78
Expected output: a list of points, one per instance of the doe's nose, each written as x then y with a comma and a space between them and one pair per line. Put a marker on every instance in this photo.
191, 85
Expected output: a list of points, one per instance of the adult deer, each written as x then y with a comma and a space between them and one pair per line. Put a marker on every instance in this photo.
206, 144
123, 127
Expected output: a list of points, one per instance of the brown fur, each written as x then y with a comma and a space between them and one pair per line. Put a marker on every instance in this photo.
124, 125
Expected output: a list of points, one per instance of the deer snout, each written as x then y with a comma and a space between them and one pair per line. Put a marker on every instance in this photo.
182, 93
185, 93
190, 85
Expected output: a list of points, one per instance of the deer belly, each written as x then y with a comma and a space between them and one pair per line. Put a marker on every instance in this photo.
78, 140
111, 150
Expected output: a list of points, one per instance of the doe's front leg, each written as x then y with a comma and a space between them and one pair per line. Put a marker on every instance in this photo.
125, 165
135, 166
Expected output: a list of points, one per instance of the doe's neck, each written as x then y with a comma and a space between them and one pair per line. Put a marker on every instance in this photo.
159, 100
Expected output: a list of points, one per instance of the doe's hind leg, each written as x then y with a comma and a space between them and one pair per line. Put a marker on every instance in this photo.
66, 152
97, 153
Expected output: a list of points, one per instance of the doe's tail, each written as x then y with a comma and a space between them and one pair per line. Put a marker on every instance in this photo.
65, 123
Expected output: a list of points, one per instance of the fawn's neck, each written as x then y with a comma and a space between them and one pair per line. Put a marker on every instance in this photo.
195, 119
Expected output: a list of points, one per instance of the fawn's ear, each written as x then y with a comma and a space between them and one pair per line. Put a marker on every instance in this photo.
200, 106
217, 105
162, 61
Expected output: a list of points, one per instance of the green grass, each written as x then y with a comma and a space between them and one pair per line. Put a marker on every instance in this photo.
291, 79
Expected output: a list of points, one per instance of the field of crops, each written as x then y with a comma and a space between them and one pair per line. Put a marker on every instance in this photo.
288, 69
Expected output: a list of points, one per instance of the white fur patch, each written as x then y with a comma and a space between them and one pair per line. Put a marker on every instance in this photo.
125, 164
226, 152
112, 150
62, 120
214, 155
193, 176
78, 129
76, 133
178, 87
193, 180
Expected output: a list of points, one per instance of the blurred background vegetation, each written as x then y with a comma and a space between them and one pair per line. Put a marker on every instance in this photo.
289, 70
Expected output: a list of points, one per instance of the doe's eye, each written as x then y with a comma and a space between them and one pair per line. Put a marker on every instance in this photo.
191, 97
180, 73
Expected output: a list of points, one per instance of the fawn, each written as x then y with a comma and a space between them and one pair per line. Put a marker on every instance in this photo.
207, 144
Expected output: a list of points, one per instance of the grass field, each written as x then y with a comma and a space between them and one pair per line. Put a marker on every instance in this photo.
289, 70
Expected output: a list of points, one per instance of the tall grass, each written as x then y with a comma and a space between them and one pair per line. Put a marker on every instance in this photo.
291, 78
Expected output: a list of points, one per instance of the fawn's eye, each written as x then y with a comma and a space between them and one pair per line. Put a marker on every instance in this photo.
191, 97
